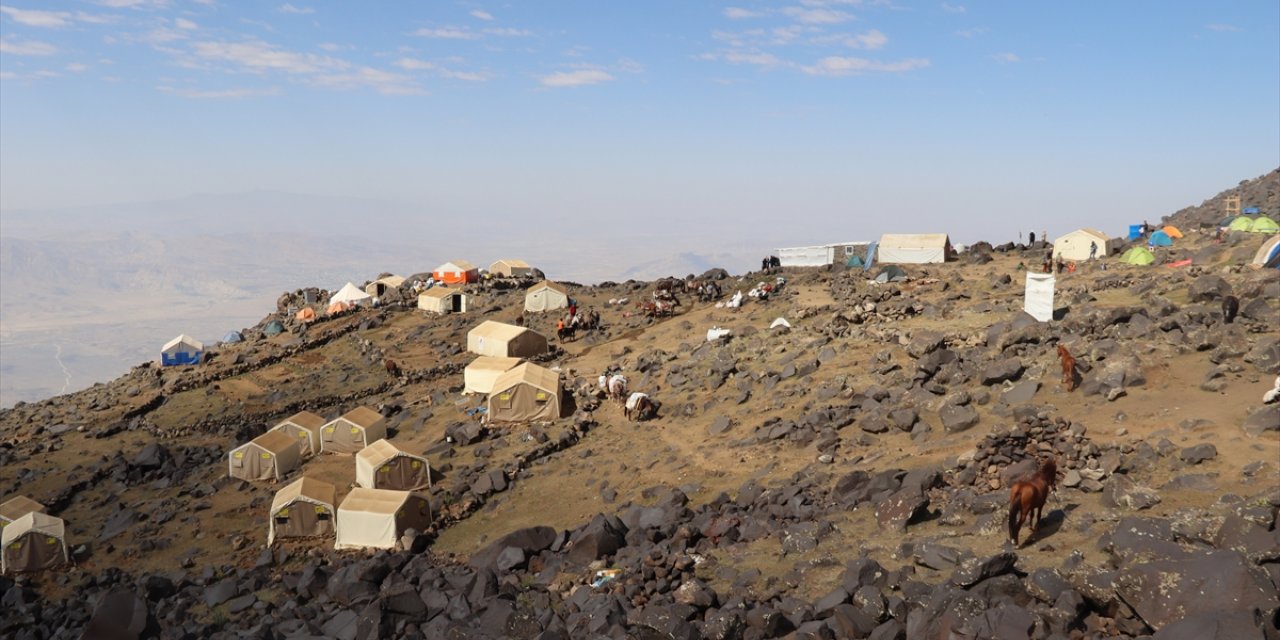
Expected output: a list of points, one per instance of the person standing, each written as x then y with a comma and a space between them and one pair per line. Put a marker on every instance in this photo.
1093, 250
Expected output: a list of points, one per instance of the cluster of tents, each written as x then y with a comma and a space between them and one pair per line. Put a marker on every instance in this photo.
1251, 224
30, 539
374, 514
517, 390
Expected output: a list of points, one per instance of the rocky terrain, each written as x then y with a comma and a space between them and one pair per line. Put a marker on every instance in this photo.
846, 477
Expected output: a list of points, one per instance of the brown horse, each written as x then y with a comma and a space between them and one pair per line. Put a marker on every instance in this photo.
392, 368
1068, 368
1027, 498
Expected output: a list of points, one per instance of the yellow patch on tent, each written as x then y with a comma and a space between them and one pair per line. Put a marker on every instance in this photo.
283, 513
355, 431
415, 464
384, 470
51, 540
266, 456
321, 511
542, 396
239, 455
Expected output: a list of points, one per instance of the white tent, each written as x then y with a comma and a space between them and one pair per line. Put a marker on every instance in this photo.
480, 375
1039, 296
350, 294
1076, 245
913, 248
378, 517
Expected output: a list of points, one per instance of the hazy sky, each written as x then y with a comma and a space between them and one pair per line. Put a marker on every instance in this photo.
973, 118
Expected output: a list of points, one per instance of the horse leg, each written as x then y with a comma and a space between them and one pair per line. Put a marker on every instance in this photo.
1015, 517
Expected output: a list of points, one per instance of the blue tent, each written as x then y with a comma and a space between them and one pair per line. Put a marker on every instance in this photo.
233, 336
1160, 239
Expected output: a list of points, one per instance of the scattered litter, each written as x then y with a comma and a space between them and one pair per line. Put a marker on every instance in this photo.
715, 333
604, 576
780, 322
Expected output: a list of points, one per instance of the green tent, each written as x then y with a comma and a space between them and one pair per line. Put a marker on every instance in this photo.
853, 261
1241, 223
1138, 255
273, 329
1263, 224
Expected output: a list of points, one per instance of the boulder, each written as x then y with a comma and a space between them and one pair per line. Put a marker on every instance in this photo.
1120, 491
900, 509
1258, 309
1198, 453
1265, 356
1207, 288
601, 537
1164, 591
957, 418
1263, 419
1217, 625
973, 570
120, 615
1020, 393
529, 541
152, 456
1002, 370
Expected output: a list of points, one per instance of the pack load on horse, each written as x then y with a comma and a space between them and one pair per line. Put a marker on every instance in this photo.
640, 406
659, 306
1028, 495
616, 387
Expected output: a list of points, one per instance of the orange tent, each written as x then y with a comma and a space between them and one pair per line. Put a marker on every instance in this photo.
307, 314
337, 308
1172, 231
456, 272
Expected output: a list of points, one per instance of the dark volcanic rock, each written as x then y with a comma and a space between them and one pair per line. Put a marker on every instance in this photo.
1198, 453
1001, 370
1162, 592
1207, 288
957, 418
900, 509
121, 615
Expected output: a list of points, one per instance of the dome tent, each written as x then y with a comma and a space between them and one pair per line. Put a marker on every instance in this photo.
1263, 224
1138, 256
1160, 239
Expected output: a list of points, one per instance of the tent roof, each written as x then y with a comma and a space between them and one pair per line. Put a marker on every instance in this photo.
309, 489
273, 441
494, 330
349, 293
306, 420
34, 521
440, 292
1263, 223
381, 451
528, 373
547, 284
384, 501
184, 339
362, 417
1087, 231
512, 262
1260, 257
391, 281
494, 363
456, 265
18, 506
913, 240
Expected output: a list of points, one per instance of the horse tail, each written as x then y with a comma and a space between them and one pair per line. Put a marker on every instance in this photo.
1015, 508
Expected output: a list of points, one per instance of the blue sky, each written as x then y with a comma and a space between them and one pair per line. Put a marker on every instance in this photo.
974, 118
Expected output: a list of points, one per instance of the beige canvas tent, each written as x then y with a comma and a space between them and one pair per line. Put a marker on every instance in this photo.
16, 507
379, 287
33, 542
353, 431
509, 268
378, 517
480, 375
913, 248
181, 350
305, 426
526, 393
545, 296
304, 508
383, 465
505, 341
1076, 245
443, 300
269, 456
